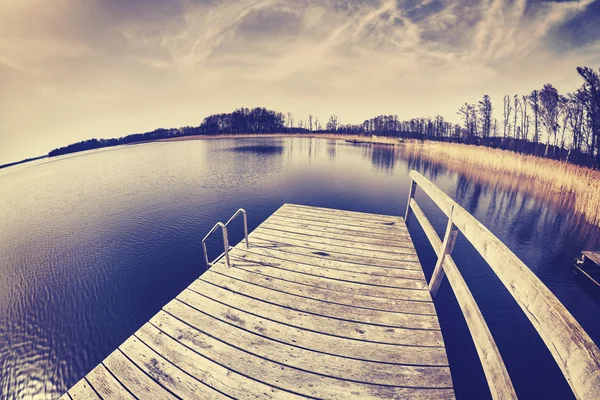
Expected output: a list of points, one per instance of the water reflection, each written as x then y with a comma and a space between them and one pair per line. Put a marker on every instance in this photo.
92, 246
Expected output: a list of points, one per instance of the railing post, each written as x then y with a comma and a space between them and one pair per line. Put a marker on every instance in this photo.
245, 228
447, 247
226, 245
205, 255
411, 194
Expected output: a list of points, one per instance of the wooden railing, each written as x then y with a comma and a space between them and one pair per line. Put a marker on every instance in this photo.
574, 351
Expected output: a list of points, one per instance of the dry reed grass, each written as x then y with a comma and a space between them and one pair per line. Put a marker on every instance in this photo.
557, 180
562, 184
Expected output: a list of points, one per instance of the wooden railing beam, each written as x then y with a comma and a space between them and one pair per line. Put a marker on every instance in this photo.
491, 361
411, 195
447, 247
572, 348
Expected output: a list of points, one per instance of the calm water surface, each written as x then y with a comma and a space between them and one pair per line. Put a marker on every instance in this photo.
92, 245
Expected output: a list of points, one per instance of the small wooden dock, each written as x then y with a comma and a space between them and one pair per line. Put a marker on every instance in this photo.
328, 304
324, 304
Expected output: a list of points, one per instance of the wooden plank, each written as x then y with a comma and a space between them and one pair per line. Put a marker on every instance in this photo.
247, 259
447, 246
339, 213
134, 379
312, 322
202, 368
375, 257
303, 359
295, 380
303, 304
83, 391
165, 373
572, 348
411, 195
389, 251
592, 255
407, 271
301, 289
395, 226
324, 343
493, 366
106, 385
346, 287
331, 260
400, 236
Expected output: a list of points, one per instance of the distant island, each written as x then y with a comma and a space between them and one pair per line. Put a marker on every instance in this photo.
22, 161
571, 123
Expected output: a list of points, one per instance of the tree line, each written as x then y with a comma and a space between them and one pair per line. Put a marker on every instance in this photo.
543, 122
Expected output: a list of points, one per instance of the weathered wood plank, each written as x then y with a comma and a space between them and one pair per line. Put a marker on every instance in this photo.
294, 287
83, 391
308, 360
202, 368
165, 373
493, 366
389, 251
408, 270
302, 304
339, 213
247, 258
312, 322
106, 385
324, 343
325, 304
293, 379
359, 233
393, 225
342, 253
572, 348
447, 246
321, 258
134, 379
353, 288
592, 255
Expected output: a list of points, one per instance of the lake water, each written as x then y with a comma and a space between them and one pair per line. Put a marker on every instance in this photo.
93, 244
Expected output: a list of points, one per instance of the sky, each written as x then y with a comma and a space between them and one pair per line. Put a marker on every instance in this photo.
71, 70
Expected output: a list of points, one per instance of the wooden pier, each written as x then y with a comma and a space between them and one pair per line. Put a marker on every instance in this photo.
332, 304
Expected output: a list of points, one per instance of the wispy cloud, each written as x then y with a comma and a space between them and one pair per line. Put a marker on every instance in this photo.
105, 68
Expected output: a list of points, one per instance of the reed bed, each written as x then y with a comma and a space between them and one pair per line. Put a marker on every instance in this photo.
564, 185
558, 179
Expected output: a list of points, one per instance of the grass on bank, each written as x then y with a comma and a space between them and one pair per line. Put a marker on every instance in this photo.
555, 178
583, 184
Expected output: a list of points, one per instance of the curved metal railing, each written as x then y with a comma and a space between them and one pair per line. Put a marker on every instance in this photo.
226, 247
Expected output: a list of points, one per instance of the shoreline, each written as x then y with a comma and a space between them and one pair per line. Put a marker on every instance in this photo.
334, 136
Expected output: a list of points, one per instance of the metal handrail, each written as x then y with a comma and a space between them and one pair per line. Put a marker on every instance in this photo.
223, 227
238, 212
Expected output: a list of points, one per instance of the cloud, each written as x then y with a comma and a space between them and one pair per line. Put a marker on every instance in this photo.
82, 68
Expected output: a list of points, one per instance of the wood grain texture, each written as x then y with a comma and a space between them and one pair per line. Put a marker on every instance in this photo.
324, 304
495, 371
572, 348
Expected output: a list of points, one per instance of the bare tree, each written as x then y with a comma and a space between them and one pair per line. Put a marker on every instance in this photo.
516, 109
290, 120
524, 118
549, 110
591, 88
507, 111
534, 102
332, 124
485, 112
317, 124
310, 122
